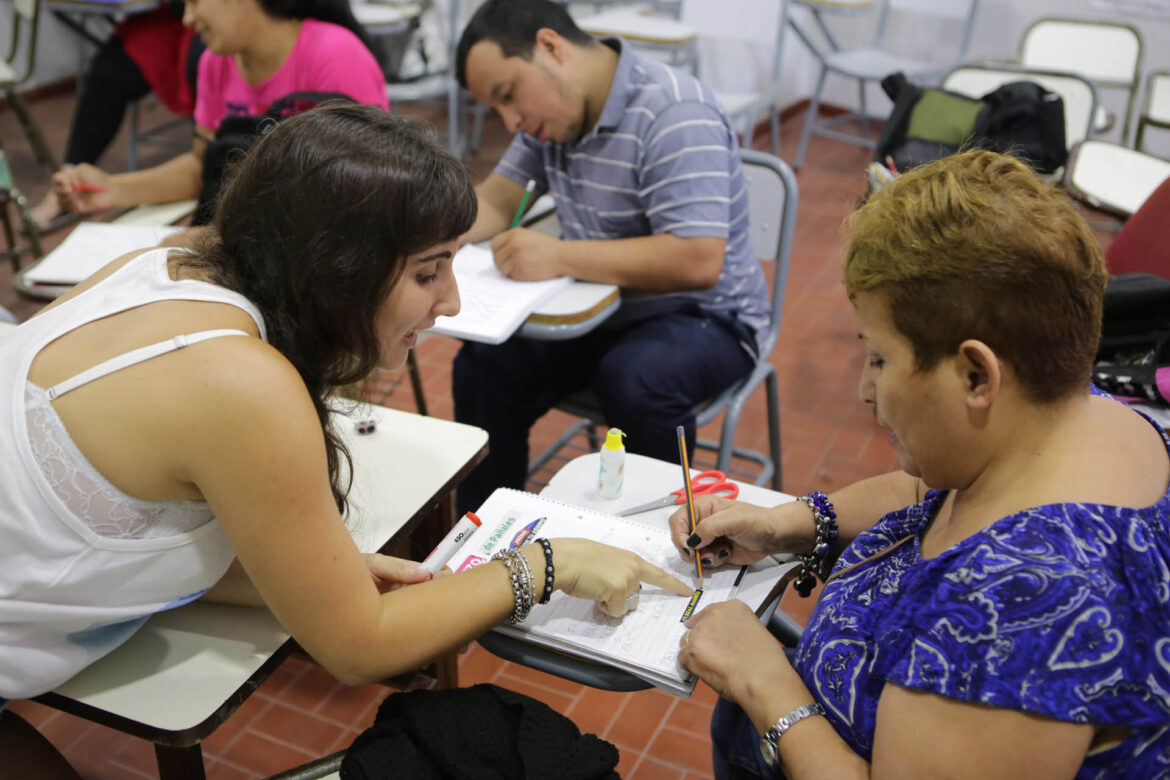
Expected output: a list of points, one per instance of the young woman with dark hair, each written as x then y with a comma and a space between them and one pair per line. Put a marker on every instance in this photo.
257, 52
167, 438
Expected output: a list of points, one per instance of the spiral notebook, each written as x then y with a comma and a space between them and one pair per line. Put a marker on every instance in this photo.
643, 642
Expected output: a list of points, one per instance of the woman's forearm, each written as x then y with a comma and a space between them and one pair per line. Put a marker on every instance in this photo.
180, 178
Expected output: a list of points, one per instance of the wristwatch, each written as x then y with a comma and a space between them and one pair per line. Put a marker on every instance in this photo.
768, 743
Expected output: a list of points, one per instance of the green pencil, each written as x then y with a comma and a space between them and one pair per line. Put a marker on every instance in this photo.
524, 202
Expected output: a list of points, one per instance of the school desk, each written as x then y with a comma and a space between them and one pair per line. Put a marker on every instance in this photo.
75, 14
645, 480
577, 309
186, 670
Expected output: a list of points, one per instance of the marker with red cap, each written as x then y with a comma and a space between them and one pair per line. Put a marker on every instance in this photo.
455, 539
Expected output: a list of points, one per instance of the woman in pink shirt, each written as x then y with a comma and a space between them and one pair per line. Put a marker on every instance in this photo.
257, 51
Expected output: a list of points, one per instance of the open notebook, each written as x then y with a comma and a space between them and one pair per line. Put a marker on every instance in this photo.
645, 641
90, 246
492, 305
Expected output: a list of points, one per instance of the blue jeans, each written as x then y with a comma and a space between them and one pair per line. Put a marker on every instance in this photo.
649, 377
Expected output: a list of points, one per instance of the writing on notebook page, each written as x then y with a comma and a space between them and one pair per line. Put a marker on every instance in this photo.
492, 306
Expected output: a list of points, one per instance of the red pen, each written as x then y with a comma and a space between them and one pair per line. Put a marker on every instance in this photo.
88, 188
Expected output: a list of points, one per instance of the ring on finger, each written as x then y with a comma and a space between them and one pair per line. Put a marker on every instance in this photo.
686, 638
632, 599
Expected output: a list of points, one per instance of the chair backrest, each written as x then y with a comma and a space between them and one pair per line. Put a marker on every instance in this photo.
1107, 53
961, 11
772, 201
1113, 178
1077, 92
1143, 244
25, 15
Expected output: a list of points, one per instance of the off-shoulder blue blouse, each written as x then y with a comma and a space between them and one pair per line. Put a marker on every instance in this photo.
1060, 610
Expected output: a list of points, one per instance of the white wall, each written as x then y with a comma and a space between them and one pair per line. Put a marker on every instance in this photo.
732, 57
736, 45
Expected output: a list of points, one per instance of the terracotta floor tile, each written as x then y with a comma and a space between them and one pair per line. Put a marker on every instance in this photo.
558, 701
651, 769
218, 770
692, 717
263, 756
348, 705
681, 748
628, 759
297, 727
595, 709
478, 666
556, 684
219, 740
136, 755
310, 689
638, 722
284, 675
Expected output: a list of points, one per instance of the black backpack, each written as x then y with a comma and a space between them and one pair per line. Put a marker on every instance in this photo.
928, 123
1133, 357
237, 134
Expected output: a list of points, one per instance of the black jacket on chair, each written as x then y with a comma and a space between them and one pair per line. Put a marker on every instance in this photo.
481, 733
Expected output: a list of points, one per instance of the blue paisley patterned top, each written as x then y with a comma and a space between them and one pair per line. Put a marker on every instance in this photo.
1061, 610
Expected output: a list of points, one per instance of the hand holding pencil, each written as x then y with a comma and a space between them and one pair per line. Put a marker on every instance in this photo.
735, 533
83, 188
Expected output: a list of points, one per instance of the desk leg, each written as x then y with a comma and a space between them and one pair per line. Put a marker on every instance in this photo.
179, 763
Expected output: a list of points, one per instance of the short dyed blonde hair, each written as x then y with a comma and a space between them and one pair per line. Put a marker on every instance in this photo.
975, 246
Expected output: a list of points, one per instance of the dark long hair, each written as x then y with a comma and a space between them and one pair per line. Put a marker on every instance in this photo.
314, 227
333, 11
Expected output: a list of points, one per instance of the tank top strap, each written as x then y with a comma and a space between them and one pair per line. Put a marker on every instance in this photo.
135, 356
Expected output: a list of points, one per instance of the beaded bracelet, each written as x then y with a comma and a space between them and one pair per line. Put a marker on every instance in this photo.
548, 570
813, 563
517, 566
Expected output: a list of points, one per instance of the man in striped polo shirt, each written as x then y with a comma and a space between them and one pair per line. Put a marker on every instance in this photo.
644, 167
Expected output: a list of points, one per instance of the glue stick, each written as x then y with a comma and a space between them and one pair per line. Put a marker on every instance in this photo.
613, 465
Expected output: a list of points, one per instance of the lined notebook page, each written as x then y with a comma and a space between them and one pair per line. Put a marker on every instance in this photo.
644, 641
492, 306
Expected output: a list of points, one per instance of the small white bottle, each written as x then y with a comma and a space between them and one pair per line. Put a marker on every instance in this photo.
613, 465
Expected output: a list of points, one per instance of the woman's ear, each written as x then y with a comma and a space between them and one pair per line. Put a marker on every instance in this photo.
980, 371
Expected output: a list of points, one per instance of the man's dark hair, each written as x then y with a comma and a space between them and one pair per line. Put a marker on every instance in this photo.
512, 25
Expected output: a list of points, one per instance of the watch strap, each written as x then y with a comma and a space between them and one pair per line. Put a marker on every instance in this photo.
769, 741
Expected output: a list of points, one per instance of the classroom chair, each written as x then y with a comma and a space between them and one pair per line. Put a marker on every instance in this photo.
772, 200
441, 87
15, 69
881, 58
1143, 243
1113, 178
1078, 93
655, 26
1155, 106
1107, 53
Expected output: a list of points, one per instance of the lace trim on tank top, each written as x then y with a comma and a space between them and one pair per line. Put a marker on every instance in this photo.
90, 496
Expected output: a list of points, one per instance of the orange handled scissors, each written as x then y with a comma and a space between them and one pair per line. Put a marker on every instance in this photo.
705, 483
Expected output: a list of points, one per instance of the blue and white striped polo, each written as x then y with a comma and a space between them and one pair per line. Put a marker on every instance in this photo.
662, 158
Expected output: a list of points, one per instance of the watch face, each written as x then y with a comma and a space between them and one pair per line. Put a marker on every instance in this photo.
768, 749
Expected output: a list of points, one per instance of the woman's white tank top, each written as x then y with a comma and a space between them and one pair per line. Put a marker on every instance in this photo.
82, 564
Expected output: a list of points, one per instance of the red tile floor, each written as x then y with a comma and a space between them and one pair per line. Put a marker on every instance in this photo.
829, 440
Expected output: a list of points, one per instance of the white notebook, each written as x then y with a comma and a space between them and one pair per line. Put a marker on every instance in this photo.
91, 246
643, 642
492, 305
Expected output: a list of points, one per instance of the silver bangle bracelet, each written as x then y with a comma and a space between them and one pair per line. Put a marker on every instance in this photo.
521, 578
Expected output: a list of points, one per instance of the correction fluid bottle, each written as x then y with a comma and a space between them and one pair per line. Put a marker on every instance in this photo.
613, 465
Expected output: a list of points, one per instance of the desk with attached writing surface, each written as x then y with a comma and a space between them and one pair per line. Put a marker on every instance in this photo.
645, 479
